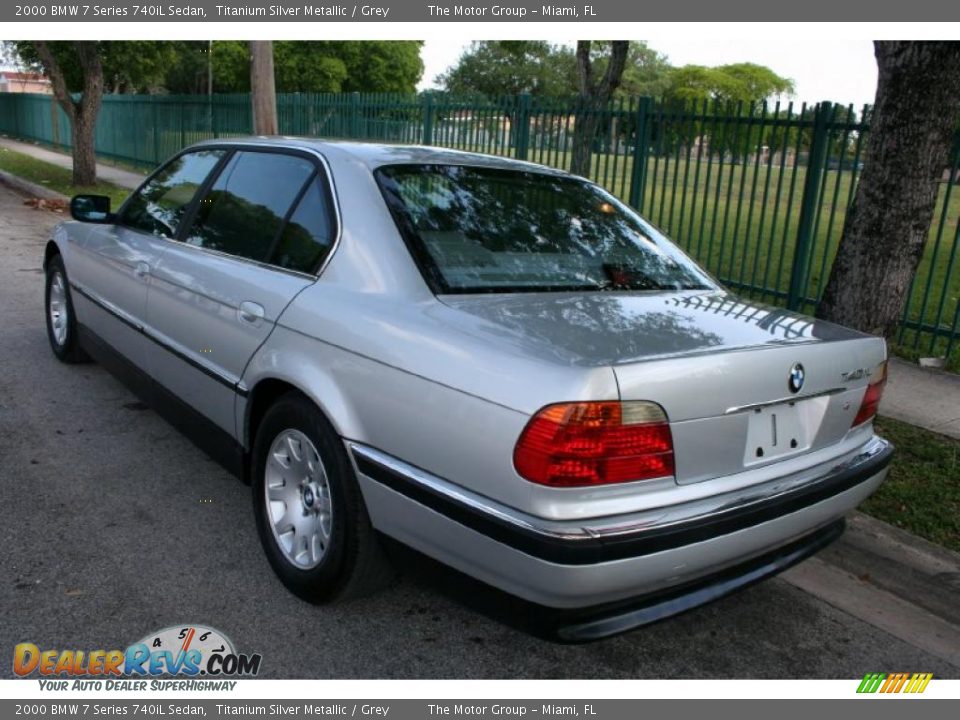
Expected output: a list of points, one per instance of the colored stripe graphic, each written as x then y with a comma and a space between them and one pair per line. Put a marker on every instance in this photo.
894, 683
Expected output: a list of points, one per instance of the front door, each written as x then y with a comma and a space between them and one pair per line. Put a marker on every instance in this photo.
112, 269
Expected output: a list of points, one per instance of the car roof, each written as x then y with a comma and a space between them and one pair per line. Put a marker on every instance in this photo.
375, 155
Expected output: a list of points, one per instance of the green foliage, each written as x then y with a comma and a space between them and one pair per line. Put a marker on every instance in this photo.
187, 72
512, 67
181, 67
130, 66
231, 66
745, 83
499, 67
392, 66
647, 72
328, 66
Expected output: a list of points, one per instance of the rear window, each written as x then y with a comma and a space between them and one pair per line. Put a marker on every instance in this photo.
475, 229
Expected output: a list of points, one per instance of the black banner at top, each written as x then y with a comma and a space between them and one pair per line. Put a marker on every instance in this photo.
480, 11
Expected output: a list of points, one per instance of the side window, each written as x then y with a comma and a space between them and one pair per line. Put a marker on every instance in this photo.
245, 208
158, 207
308, 234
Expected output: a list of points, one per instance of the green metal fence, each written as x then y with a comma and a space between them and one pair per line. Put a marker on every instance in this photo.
757, 194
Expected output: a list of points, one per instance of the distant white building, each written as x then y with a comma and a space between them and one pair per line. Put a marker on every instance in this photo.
14, 81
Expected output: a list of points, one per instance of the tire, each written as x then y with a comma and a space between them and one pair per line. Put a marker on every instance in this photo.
61, 319
316, 534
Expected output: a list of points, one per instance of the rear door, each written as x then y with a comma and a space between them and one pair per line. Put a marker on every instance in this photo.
254, 241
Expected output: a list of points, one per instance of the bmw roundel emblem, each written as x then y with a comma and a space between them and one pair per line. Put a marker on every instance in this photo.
795, 381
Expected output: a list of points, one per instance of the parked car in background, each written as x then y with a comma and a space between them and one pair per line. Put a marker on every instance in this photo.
497, 364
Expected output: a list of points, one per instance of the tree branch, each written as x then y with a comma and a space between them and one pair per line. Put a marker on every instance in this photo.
57, 81
618, 63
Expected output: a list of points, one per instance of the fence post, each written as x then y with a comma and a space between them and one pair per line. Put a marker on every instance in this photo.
183, 111
641, 147
522, 135
428, 119
355, 115
156, 135
808, 205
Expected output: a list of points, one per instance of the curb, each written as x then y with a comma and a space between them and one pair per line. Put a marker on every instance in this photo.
26, 187
911, 568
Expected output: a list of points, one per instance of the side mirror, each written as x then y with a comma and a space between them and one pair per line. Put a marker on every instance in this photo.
91, 208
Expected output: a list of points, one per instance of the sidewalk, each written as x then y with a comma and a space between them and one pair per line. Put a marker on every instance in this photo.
927, 398
122, 178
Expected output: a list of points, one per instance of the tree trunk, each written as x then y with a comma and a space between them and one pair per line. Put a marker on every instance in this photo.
914, 119
85, 122
263, 91
585, 130
594, 97
82, 113
82, 131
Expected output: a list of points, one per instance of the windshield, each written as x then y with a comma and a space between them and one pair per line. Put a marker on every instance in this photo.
475, 229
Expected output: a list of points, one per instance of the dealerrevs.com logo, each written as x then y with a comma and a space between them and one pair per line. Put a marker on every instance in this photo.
183, 651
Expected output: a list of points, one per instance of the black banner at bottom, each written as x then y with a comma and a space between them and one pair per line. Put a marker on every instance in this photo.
507, 709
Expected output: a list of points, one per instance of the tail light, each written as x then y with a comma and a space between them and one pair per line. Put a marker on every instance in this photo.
595, 443
871, 398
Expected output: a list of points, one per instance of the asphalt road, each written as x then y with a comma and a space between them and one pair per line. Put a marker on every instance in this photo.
112, 525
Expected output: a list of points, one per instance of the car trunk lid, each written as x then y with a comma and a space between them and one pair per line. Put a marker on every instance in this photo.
720, 367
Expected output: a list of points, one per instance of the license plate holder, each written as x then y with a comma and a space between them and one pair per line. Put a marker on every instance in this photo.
774, 431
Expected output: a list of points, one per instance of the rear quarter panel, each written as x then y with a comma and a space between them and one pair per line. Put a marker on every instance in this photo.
388, 375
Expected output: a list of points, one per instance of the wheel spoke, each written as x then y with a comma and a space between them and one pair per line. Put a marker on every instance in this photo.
297, 493
294, 449
281, 491
324, 525
281, 458
286, 540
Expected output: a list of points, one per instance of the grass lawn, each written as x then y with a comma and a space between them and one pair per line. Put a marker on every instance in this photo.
55, 177
922, 492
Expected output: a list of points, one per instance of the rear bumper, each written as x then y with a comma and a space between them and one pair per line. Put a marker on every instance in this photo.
586, 563
613, 618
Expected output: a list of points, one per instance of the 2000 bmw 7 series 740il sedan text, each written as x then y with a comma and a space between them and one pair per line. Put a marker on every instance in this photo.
497, 364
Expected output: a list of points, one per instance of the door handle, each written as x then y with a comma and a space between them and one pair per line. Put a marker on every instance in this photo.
250, 312
141, 270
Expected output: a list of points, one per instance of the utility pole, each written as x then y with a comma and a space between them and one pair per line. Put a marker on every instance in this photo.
263, 91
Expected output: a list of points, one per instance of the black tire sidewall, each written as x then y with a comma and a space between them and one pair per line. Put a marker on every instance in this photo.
328, 579
61, 351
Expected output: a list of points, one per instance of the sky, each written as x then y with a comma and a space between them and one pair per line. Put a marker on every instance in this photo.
830, 68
